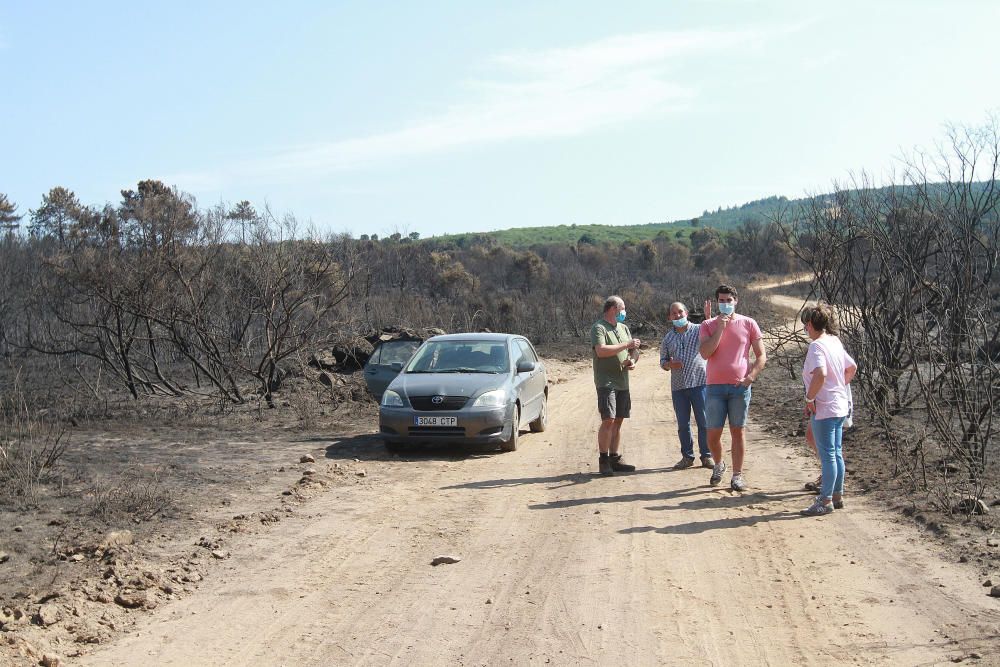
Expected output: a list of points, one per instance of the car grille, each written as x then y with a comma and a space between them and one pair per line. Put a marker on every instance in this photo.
437, 431
448, 403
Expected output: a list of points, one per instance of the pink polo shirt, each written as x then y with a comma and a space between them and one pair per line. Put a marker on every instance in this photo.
731, 360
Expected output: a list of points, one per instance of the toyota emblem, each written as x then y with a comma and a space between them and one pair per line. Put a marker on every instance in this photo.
437, 400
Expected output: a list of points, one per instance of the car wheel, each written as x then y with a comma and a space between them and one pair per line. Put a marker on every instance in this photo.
515, 425
542, 422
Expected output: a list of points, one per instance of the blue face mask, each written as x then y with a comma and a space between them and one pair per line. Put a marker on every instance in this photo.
681, 323
727, 308
620, 316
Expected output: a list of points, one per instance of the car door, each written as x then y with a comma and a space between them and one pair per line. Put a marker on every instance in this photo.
533, 382
386, 362
519, 380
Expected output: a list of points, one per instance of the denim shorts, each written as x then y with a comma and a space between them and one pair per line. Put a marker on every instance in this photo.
726, 400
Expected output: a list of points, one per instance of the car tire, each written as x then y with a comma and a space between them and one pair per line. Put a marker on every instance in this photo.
542, 422
515, 424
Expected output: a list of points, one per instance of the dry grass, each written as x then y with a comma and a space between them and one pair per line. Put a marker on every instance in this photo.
135, 495
30, 449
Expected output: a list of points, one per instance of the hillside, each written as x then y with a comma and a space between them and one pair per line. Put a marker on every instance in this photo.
722, 219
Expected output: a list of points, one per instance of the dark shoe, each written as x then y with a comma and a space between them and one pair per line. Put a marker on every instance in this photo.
717, 470
838, 503
685, 462
815, 485
707, 462
604, 466
618, 465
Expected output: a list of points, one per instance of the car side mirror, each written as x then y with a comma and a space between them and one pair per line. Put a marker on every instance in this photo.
396, 366
525, 366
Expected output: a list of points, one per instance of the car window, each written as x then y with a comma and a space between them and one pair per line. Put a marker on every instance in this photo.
460, 357
394, 352
527, 352
518, 355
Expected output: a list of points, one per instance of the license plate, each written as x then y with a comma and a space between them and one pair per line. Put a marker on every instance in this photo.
435, 421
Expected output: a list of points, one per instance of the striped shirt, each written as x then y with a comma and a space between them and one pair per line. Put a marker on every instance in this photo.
683, 347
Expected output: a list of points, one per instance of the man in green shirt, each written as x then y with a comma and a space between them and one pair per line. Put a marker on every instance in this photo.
615, 353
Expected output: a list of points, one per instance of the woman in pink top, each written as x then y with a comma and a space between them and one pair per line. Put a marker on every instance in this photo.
826, 374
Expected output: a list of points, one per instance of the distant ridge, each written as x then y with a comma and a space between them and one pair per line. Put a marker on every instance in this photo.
722, 219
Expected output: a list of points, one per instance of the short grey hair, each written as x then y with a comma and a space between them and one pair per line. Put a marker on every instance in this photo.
681, 304
613, 301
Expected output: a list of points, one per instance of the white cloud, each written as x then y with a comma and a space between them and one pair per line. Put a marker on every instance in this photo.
528, 95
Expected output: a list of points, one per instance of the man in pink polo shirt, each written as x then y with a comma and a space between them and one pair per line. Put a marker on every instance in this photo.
726, 341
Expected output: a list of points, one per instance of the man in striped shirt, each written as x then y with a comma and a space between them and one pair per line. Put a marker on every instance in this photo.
679, 353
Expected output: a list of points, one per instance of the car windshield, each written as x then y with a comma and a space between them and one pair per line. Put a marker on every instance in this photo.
459, 356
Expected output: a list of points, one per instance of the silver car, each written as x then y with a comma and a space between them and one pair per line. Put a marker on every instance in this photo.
474, 388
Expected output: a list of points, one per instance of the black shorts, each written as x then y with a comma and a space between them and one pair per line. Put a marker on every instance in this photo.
613, 403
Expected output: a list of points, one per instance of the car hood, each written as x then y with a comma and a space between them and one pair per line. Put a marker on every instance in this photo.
447, 384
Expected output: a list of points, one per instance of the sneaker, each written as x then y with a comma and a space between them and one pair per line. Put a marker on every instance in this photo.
738, 483
604, 466
817, 509
717, 470
838, 503
815, 485
685, 462
618, 465
707, 462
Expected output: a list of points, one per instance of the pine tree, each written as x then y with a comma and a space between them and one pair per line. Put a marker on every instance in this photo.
9, 220
53, 218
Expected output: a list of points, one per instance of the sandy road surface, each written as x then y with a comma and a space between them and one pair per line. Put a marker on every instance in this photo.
560, 566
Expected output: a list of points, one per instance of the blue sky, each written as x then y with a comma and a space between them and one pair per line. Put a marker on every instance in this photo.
440, 117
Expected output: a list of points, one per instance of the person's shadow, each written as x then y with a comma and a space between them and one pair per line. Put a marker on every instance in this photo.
556, 481
624, 498
728, 499
696, 527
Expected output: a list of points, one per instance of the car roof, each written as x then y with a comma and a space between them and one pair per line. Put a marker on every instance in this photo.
493, 337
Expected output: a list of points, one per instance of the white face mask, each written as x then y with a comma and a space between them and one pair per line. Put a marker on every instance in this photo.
727, 308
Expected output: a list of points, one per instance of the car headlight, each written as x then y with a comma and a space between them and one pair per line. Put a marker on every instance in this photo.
491, 399
391, 399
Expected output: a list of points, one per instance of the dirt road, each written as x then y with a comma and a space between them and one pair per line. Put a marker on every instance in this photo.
560, 566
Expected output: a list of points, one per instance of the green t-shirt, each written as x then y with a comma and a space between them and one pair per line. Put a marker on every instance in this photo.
608, 370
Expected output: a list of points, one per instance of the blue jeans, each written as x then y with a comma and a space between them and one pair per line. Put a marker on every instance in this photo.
829, 436
686, 400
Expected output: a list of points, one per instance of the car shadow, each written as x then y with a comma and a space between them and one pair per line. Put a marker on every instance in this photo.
370, 447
